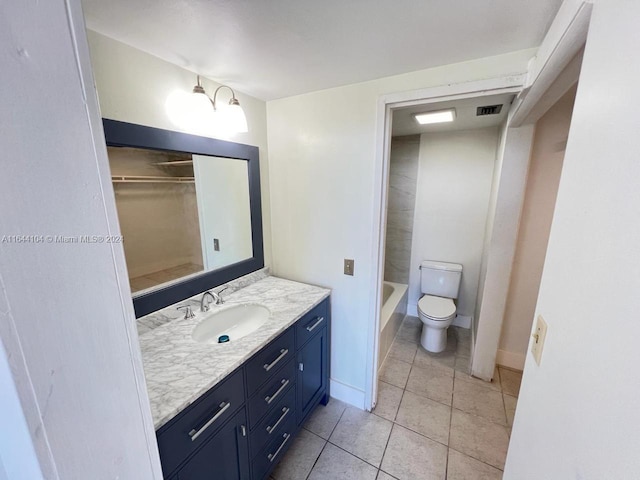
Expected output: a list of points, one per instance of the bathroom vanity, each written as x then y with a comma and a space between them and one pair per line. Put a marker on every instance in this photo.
190, 208
231, 410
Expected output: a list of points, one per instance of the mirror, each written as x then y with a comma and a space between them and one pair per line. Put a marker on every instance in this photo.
189, 211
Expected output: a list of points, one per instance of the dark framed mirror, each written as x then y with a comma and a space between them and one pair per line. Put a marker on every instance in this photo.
189, 209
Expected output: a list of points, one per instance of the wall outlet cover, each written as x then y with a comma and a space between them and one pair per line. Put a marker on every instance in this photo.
348, 266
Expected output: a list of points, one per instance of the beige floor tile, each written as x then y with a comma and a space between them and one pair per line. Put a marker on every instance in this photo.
463, 467
401, 350
410, 456
395, 372
434, 383
300, 458
424, 359
463, 363
425, 416
479, 438
362, 434
336, 464
479, 400
494, 384
510, 380
324, 419
389, 397
384, 476
510, 407
409, 332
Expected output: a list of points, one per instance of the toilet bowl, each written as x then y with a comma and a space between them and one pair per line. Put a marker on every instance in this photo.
436, 315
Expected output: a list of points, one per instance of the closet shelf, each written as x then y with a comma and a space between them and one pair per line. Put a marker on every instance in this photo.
177, 163
150, 179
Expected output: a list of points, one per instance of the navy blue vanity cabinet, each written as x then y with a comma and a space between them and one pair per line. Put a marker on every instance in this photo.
312, 358
242, 427
189, 430
224, 456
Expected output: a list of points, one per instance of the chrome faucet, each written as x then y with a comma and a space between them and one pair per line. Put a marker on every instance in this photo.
216, 298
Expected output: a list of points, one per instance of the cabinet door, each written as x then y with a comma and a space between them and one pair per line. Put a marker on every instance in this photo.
312, 373
224, 457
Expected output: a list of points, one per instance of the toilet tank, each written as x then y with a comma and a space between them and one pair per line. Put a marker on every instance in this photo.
440, 278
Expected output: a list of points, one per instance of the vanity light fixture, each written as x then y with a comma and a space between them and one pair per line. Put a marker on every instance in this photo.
198, 113
440, 116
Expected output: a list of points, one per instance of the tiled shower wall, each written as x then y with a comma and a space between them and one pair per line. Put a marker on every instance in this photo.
403, 177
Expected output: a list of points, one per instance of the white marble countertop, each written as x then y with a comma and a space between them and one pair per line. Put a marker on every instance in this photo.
179, 370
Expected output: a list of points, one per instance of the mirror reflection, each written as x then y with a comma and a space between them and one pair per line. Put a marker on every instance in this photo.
180, 214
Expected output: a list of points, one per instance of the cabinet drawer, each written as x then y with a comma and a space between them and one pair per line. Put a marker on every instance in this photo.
311, 323
191, 428
267, 361
268, 396
273, 422
274, 451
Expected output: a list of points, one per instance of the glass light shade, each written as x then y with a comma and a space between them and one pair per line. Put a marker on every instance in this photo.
192, 112
231, 119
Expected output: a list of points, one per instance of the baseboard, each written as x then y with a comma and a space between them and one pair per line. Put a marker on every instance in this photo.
460, 320
510, 359
347, 393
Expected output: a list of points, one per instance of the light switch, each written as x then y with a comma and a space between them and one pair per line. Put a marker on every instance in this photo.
216, 245
348, 267
539, 334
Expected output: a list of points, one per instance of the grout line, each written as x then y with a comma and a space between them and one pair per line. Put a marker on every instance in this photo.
481, 461
326, 442
359, 458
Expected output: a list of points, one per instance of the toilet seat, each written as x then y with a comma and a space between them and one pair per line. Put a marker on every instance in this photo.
436, 308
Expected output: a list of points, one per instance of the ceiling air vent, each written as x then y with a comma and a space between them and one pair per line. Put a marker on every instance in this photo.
488, 110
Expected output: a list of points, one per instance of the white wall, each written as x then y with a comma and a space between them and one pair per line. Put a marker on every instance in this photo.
545, 166
454, 184
578, 415
18, 460
321, 162
66, 319
133, 87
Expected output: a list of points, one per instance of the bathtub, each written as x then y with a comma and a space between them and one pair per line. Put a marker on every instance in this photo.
394, 309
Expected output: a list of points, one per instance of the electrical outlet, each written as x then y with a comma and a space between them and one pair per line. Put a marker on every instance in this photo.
348, 267
539, 334
216, 245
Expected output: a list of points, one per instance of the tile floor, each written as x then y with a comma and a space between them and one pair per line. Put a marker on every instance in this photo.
432, 421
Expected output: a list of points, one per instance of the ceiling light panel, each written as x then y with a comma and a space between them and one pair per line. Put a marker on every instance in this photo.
441, 116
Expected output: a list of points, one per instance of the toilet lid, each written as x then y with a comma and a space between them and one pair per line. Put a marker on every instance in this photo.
436, 307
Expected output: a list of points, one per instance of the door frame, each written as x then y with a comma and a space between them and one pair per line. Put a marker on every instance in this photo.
562, 42
386, 105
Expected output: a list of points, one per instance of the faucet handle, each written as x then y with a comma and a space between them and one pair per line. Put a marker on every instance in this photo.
218, 297
188, 312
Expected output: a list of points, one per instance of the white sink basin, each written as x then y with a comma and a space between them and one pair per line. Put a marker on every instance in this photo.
236, 322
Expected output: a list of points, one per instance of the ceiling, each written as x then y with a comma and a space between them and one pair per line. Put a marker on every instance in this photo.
278, 48
466, 118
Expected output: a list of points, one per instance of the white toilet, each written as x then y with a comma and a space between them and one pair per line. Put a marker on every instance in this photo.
440, 283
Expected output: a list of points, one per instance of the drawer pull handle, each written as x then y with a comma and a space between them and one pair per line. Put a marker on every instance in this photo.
272, 456
285, 412
269, 366
224, 406
271, 398
312, 327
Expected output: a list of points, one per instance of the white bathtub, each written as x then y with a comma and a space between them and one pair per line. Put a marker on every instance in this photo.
394, 309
